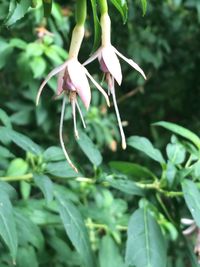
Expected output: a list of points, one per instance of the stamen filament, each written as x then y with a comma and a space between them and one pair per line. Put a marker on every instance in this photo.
118, 115
74, 116
61, 135
80, 113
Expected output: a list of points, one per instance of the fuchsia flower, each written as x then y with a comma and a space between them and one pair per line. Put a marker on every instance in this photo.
110, 65
72, 80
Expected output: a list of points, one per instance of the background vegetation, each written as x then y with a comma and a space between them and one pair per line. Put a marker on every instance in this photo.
124, 208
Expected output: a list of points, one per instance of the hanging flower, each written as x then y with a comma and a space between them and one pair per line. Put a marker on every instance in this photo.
72, 81
110, 65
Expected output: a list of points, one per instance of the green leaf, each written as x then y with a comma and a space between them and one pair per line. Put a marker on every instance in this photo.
45, 185
20, 140
47, 5
53, 153
4, 118
17, 167
176, 153
109, 255
28, 232
89, 149
61, 169
135, 170
8, 190
25, 256
144, 145
144, 6
125, 186
121, 6
17, 11
180, 131
5, 153
97, 28
38, 66
145, 245
192, 199
7, 224
76, 230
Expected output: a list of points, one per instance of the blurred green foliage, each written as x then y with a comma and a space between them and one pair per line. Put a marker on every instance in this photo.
123, 208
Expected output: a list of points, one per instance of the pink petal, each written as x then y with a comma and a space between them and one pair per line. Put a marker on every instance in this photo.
98, 87
112, 63
60, 82
49, 76
92, 58
131, 62
78, 78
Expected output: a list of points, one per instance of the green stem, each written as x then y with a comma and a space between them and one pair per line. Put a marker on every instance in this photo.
81, 12
25, 177
103, 6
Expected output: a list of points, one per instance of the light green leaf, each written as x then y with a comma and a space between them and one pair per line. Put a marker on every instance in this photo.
17, 167
5, 153
45, 185
89, 148
76, 230
38, 66
144, 6
109, 255
132, 169
7, 224
20, 140
180, 131
125, 186
192, 199
145, 245
176, 153
144, 145
121, 6
61, 169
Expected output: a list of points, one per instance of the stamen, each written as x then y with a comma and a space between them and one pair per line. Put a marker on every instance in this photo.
80, 112
72, 99
61, 135
118, 116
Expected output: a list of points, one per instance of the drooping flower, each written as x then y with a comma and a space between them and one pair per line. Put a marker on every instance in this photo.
110, 66
72, 81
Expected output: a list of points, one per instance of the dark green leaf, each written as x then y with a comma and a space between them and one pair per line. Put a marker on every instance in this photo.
47, 5
28, 232
7, 224
121, 6
8, 190
144, 145
192, 199
89, 149
25, 256
17, 12
76, 230
180, 131
45, 185
61, 169
5, 153
20, 140
145, 245
97, 28
53, 153
135, 170
125, 186
4, 118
